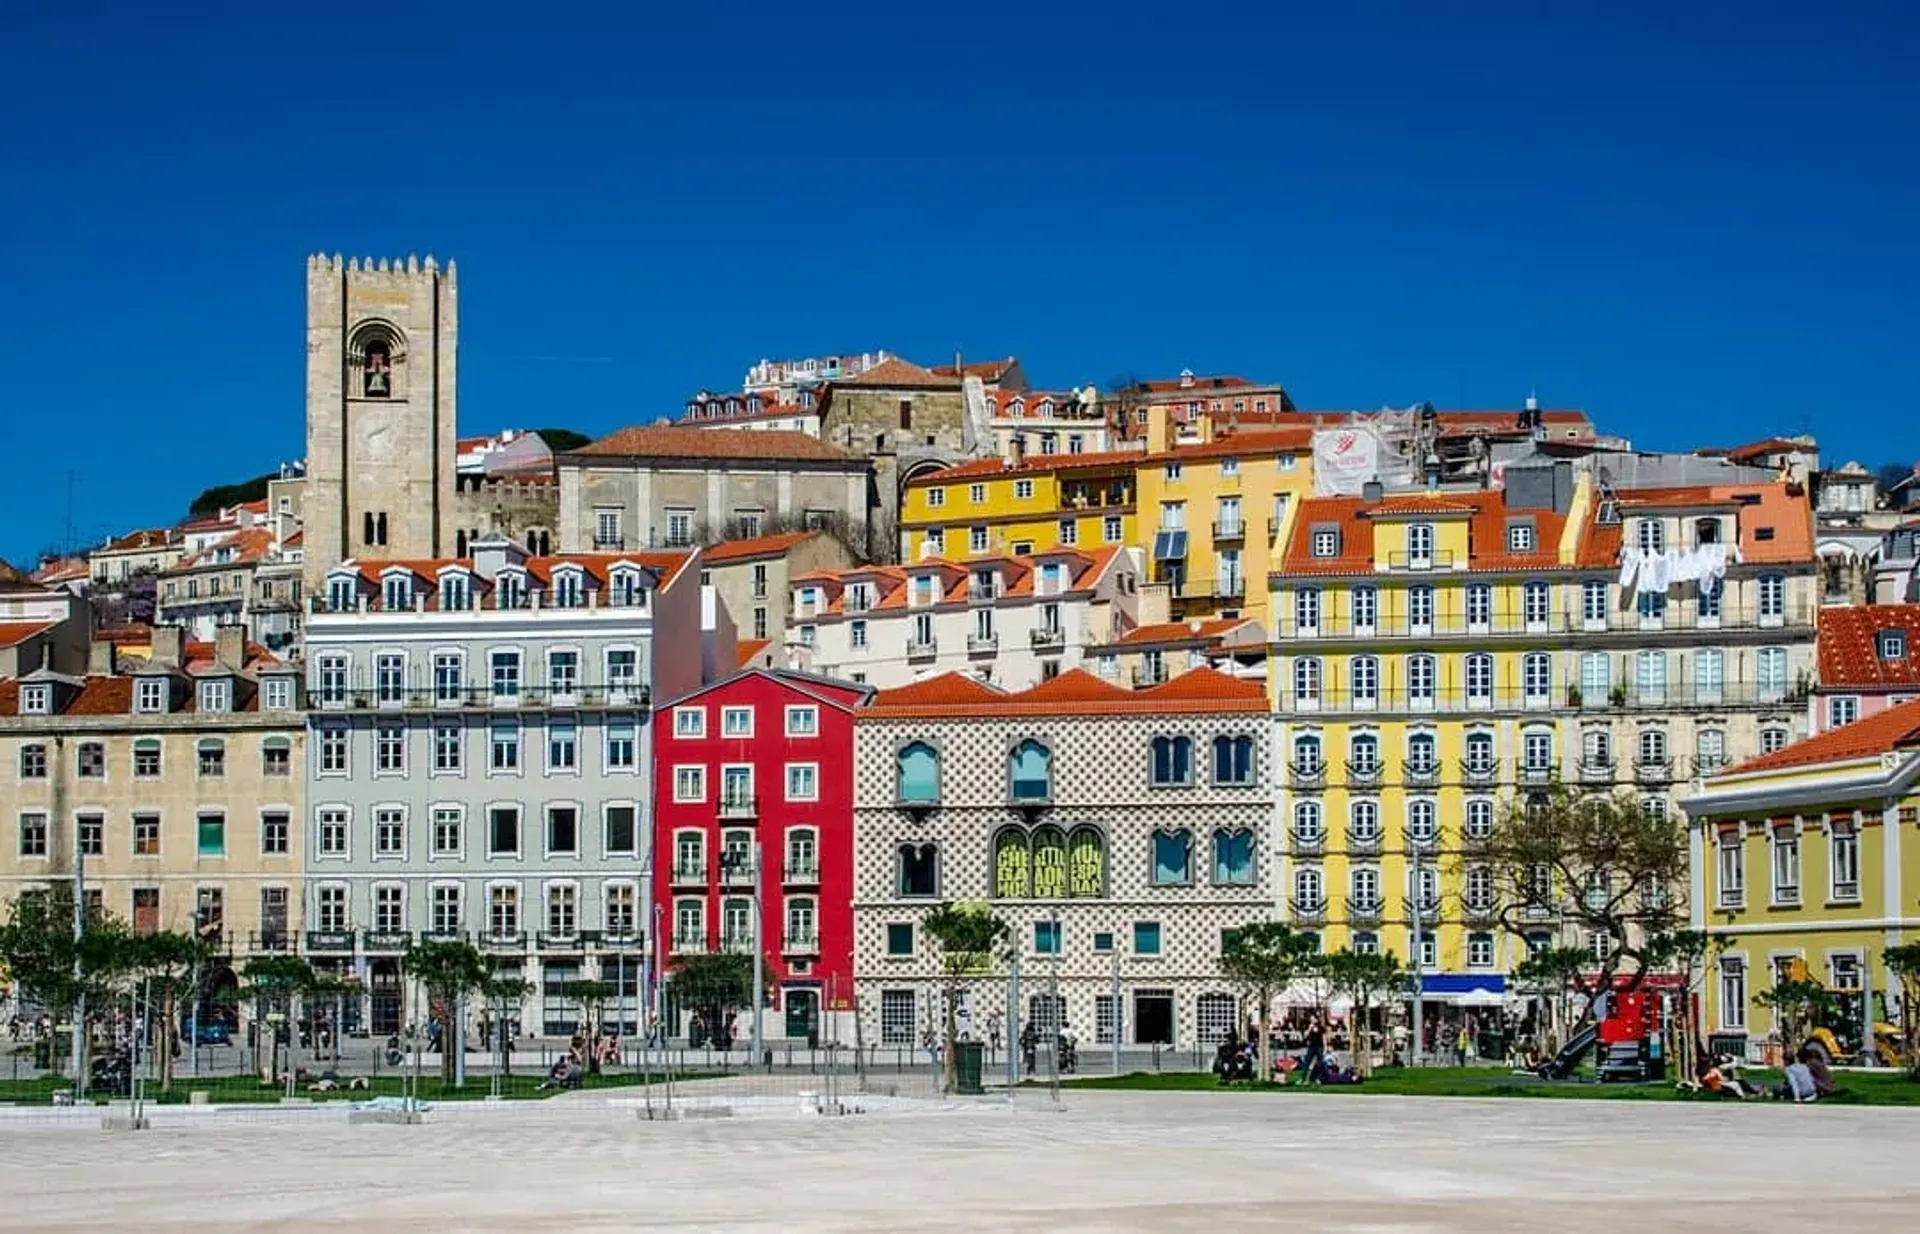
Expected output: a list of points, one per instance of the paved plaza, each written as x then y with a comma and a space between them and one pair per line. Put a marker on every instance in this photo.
1105, 1162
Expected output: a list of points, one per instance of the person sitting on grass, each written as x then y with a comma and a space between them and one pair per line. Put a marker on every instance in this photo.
1816, 1061
1797, 1085
1337, 1075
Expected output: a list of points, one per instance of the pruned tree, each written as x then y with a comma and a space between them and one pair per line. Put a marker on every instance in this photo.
274, 981
1122, 399
504, 990
167, 958
1367, 980
1600, 865
449, 970
1904, 963
1687, 954
968, 935
1263, 958
1799, 1006
593, 997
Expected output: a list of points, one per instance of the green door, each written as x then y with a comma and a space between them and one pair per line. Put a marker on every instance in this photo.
803, 1015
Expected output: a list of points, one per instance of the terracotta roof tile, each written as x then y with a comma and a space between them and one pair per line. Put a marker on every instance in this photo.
665, 441
985, 370
1755, 450
1182, 632
986, 468
248, 546
1883, 732
1782, 514
748, 650
1849, 646
1486, 532
1075, 692
13, 633
103, 696
893, 371
761, 546
1248, 443
152, 538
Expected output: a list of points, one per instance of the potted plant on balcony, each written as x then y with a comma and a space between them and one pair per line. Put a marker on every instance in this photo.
1617, 696
1573, 696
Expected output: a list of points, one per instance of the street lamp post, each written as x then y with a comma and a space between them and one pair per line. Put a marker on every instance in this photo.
1419, 992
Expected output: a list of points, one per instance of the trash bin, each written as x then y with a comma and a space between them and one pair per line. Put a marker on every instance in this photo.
968, 1059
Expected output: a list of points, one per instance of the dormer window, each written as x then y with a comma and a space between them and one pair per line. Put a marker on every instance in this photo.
1652, 536
859, 597
216, 695
396, 593
455, 596
340, 595
567, 590
1893, 644
1326, 541
1706, 531
150, 695
1520, 538
512, 590
627, 590
36, 700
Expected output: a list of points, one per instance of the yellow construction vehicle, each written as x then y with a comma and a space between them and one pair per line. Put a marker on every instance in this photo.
1838, 1036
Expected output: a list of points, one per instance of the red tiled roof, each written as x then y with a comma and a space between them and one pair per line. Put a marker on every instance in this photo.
1756, 450
985, 370
748, 650
248, 547
1896, 728
891, 583
1198, 387
1849, 646
1246, 443
1415, 505
596, 566
893, 371
986, 468
1775, 508
13, 633
666, 441
761, 546
158, 537
1486, 532
1075, 692
1182, 632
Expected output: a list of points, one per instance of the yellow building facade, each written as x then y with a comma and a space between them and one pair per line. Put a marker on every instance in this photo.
1438, 656
1809, 854
991, 507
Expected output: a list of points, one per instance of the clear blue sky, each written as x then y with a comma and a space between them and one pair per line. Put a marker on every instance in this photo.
1699, 227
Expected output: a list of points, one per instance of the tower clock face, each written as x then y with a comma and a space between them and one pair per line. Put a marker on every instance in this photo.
374, 438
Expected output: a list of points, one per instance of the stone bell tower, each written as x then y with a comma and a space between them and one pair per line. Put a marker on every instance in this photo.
381, 343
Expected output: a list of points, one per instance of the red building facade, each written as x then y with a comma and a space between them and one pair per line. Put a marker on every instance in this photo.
765, 757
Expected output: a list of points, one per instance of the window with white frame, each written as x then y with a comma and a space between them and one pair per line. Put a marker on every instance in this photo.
330, 905
504, 670
563, 673
563, 746
1306, 679
503, 746
623, 671
1842, 709
1479, 605
803, 721
216, 695
390, 677
503, 911
1420, 545
622, 743
1536, 604
1730, 869
330, 825
803, 782
446, 916
447, 828
390, 749
1306, 610
690, 722
1772, 740
1733, 993
1786, 866
689, 783
1479, 679
1536, 674
330, 680
503, 831
1363, 680
448, 746
736, 721
1773, 598
449, 676
1843, 863
1770, 672
1365, 599
150, 694
389, 831
1593, 603
1420, 607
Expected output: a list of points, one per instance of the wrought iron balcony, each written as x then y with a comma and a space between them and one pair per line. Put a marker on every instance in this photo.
1306, 843
1596, 771
1479, 912
1367, 842
443, 934
1653, 770
801, 873
691, 941
804, 942
1308, 912
1307, 776
918, 649
739, 805
1479, 775
1364, 911
1046, 637
1365, 775
1229, 531
1420, 775
1540, 774
623, 940
559, 940
689, 874
270, 941
1429, 843
983, 644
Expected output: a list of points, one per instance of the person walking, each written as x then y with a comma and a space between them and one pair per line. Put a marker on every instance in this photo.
1461, 1040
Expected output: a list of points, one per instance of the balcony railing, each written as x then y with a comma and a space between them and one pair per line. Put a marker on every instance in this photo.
922, 650
1596, 771
1147, 675
1307, 777
1364, 843
1308, 912
739, 944
1306, 843
1479, 912
1364, 911
559, 940
804, 942
689, 941
689, 874
1419, 563
1479, 775
800, 873
1048, 636
1365, 775
1653, 770
329, 940
270, 941
1420, 775
983, 644
739, 805
1428, 843
736, 871
386, 940
1229, 530
444, 934
626, 939
1429, 913
1538, 773
428, 698
1516, 623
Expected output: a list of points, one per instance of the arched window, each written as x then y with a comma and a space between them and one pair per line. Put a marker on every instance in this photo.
1653, 747
1480, 753
566, 589
1172, 760
1422, 821
1479, 818
1363, 822
1423, 754
1012, 864
1307, 824
1086, 864
1309, 889
1233, 857
1029, 770
1172, 858
1049, 864
1306, 754
1233, 760
919, 774
919, 870
1364, 754
1479, 894
213, 756
1306, 679
1363, 680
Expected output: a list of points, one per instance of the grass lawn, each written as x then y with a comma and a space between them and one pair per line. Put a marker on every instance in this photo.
229, 1090
1857, 1087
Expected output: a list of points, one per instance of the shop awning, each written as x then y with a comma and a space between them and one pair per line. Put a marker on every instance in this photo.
1482, 989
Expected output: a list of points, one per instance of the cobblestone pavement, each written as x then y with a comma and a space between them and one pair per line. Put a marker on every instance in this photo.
1106, 1162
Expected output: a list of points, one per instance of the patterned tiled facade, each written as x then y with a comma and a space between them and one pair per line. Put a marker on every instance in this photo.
1101, 851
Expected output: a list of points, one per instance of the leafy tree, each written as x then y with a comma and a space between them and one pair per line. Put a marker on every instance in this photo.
1600, 864
270, 982
38, 947
220, 496
1799, 1006
502, 991
1904, 963
593, 997
968, 935
1367, 980
715, 986
449, 970
560, 440
1263, 959
167, 958
1121, 401
1549, 973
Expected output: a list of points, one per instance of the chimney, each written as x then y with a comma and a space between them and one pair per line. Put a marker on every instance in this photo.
230, 647
1372, 490
168, 645
100, 657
